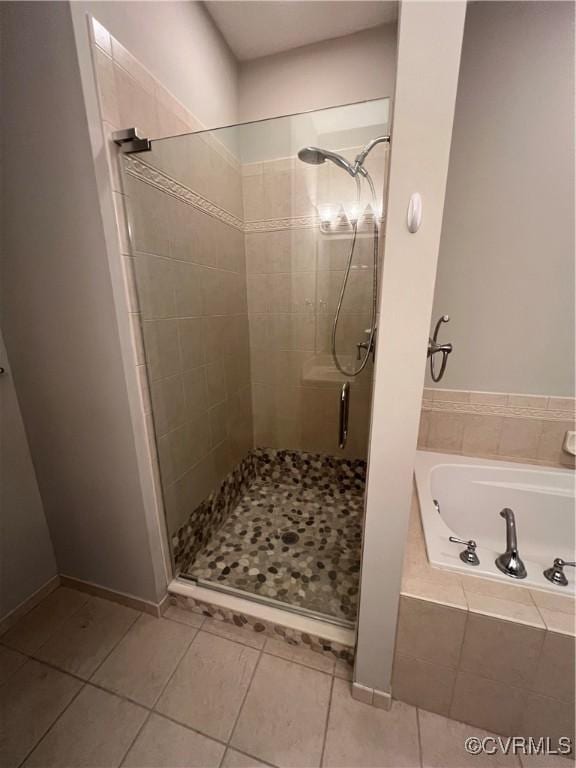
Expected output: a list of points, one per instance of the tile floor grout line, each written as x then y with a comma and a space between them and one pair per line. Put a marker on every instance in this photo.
327, 720
419, 733
172, 674
248, 687
224, 637
185, 623
49, 728
138, 732
56, 629
117, 643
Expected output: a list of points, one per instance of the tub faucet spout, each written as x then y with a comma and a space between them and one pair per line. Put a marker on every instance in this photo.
510, 562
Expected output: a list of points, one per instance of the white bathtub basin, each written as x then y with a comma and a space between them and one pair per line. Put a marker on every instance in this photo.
470, 494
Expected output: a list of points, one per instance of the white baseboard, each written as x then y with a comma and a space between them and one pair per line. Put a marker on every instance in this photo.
154, 609
27, 605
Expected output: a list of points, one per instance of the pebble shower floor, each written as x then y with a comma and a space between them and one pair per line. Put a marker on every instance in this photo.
294, 536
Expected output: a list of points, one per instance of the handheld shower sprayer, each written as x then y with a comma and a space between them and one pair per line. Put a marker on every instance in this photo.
317, 156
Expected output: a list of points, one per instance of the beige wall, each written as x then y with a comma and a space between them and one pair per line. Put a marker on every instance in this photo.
430, 38
180, 45
59, 317
27, 560
506, 266
334, 72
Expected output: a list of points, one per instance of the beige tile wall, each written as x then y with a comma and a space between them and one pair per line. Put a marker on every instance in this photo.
190, 272
527, 428
294, 274
186, 285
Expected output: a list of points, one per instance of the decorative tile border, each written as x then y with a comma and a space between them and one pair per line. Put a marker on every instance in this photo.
148, 174
289, 222
307, 222
459, 401
140, 170
268, 628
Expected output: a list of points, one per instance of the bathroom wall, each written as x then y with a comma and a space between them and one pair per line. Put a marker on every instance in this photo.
59, 318
506, 266
27, 561
353, 68
180, 45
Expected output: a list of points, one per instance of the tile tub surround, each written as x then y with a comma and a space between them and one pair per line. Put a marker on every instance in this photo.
493, 655
528, 428
273, 493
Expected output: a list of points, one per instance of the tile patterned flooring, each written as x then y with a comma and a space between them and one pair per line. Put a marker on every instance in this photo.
88, 683
296, 544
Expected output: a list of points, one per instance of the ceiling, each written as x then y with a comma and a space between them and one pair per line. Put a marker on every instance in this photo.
254, 28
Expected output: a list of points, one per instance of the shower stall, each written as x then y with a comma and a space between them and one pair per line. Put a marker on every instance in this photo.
256, 250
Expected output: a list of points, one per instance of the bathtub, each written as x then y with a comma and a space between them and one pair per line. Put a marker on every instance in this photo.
470, 494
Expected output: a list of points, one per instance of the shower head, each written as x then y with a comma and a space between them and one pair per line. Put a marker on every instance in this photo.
317, 156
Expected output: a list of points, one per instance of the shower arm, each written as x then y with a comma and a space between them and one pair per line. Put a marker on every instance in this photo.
360, 158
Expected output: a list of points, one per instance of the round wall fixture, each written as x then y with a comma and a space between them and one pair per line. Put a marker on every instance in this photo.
414, 215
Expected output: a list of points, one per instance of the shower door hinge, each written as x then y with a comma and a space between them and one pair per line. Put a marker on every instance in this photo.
129, 141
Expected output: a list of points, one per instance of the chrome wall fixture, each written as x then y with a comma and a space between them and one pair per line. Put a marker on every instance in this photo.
129, 141
356, 169
434, 348
344, 411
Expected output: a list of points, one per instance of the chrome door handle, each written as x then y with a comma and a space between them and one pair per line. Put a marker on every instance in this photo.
344, 410
434, 348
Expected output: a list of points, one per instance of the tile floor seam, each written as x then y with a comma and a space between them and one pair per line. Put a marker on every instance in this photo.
215, 634
419, 732
56, 629
178, 722
185, 623
138, 732
55, 667
52, 665
248, 687
111, 651
49, 728
459, 661
184, 652
300, 663
328, 709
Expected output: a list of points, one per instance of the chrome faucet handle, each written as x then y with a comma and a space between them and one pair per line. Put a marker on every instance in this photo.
467, 555
556, 574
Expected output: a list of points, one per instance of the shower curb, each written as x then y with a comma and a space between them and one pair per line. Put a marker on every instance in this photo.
322, 640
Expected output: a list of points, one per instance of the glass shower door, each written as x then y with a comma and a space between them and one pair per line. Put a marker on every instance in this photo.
240, 250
